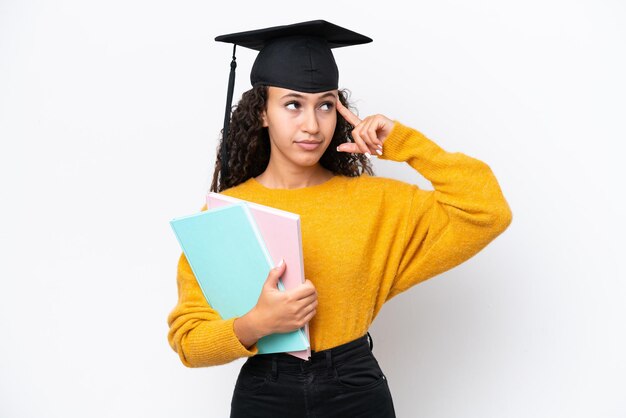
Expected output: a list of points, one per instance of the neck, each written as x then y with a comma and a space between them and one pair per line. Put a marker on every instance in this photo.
281, 177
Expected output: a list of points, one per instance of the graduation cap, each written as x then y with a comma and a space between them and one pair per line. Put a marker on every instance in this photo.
296, 57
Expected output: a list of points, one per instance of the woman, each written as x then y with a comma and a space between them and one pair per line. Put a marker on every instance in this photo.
293, 144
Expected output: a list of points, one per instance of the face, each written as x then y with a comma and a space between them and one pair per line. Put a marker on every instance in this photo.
300, 125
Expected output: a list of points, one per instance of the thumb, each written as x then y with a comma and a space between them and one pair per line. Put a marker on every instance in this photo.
274, 275
348, 147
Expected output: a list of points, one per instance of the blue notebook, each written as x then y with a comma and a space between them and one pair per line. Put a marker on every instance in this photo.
228, 256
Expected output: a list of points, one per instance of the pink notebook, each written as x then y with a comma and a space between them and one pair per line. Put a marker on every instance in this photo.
283, 239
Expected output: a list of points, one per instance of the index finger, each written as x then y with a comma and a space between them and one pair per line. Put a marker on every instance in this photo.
347, 114
303, 291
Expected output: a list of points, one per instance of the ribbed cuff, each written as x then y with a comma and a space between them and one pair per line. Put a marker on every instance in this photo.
221, 347
233, 341
404, 143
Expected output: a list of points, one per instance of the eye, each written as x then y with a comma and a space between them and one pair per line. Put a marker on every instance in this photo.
327, 106
292, 105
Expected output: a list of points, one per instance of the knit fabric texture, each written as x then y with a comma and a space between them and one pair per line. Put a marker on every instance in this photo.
365, 239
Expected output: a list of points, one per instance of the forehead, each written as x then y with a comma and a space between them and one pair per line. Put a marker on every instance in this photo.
279, 93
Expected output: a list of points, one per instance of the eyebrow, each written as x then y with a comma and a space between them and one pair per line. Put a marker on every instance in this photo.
300, 96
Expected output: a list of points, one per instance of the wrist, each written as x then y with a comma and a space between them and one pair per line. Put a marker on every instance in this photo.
256, 324
246, 330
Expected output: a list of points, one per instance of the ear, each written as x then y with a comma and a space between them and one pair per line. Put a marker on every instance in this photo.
264, 119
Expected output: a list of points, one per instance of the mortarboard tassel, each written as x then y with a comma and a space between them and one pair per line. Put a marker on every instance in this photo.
229, 102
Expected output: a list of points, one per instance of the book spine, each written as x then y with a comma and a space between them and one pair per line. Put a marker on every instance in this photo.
259, 237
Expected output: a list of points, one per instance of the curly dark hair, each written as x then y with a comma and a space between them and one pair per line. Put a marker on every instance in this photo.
249, 145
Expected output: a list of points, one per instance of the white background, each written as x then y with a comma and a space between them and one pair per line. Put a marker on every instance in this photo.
109, 119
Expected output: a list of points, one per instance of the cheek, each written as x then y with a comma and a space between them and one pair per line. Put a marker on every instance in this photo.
329, 126
281, 127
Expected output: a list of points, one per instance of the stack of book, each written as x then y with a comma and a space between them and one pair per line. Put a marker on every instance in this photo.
231, 248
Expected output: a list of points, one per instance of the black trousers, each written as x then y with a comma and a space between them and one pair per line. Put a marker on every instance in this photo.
344, 381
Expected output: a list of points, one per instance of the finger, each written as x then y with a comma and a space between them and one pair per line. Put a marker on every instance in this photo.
307, 300
373, 128
309, 316
307, 310
348, 147
305, 320
302, 292
274, 275
370, 132
358, 140
366, 134
351, 147
305, 305
347, 114
360, 144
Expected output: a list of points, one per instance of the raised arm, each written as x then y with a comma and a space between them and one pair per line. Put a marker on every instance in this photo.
446, 226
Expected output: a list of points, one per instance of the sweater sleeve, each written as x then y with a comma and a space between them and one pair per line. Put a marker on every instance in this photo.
446, 226
196, 331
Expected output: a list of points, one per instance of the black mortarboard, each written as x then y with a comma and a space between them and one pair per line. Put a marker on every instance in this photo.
297, 57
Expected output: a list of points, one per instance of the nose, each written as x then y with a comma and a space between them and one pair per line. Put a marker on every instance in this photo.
310, 124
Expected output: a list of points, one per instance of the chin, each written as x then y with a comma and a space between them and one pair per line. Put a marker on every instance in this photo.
309, 163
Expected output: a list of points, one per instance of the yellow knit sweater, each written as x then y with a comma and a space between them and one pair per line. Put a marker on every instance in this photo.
365, 239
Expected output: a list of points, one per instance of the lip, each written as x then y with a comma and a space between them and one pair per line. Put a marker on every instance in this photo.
309, 145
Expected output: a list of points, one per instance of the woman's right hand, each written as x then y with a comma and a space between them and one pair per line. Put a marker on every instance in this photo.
280, 312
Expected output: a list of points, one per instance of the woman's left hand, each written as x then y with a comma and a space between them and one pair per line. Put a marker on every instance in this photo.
369, 133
